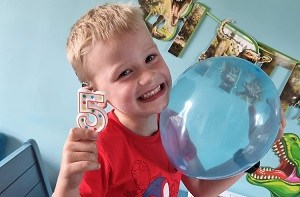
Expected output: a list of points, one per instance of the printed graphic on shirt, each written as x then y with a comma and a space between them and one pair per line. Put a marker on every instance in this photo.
149, 186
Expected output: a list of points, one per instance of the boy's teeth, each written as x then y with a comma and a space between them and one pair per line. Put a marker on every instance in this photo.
149, 94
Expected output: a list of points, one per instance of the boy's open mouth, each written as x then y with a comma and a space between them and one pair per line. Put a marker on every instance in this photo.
153, 94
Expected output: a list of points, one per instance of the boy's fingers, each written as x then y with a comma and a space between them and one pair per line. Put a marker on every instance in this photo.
282, 126
283, 120
82, 156
78, 134
81, 146
81, 167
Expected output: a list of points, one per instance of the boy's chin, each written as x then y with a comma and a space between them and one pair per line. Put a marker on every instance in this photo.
158, 108
163, 106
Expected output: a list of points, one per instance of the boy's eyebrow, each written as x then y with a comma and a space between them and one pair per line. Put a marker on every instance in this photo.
121, 64
115, 67
152, 45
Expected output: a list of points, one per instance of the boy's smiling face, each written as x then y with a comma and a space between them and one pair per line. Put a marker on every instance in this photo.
132, 72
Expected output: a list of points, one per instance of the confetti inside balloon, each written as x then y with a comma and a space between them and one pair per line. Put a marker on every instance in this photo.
89, 109
223, 117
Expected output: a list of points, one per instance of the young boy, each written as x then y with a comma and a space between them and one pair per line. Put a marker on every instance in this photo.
111, 49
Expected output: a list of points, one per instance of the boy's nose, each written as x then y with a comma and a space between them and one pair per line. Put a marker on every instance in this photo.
147, 77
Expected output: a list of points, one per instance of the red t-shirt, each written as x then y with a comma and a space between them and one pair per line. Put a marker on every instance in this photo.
131, 165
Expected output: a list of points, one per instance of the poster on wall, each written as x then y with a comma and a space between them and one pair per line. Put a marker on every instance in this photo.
230, 41
164, 18
187, 30
290, 95
278, 59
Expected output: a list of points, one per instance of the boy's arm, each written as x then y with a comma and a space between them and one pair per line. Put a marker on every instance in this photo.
79, 155
208, 188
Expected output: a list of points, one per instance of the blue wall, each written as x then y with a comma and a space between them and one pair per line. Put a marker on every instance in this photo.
38, 87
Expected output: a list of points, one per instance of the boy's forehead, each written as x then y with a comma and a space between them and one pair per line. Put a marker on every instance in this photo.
119, 47
104, 53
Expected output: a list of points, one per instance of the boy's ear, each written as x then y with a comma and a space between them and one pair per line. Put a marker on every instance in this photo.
89, 87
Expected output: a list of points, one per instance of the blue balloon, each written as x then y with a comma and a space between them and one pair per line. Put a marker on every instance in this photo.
223, 117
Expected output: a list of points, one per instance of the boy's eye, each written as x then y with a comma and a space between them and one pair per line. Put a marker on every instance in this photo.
124, 73
149, 58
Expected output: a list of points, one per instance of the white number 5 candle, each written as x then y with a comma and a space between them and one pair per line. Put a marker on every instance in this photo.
89, 108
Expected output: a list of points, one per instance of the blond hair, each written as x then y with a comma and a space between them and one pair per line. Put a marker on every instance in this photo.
102, 23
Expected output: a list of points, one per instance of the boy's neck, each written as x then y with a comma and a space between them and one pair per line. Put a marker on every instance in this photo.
144, 126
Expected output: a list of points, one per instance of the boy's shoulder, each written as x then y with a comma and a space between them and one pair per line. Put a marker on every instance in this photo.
113, 134
113, 128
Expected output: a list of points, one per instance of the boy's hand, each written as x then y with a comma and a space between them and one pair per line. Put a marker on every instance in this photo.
282, 126
79, 155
